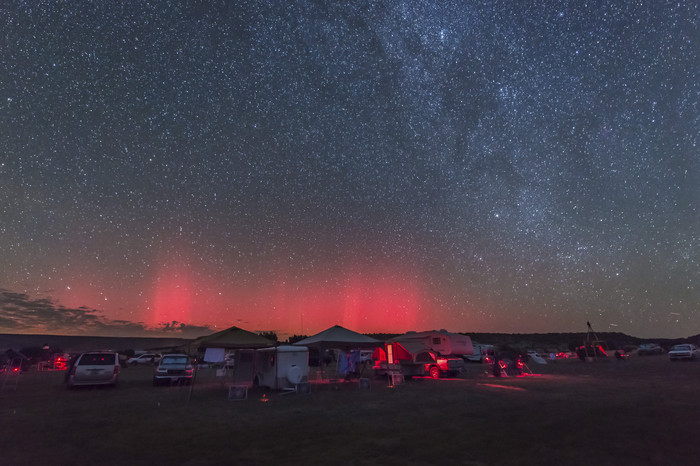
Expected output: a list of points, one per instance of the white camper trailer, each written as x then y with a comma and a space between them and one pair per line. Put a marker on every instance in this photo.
442, 342
281, 367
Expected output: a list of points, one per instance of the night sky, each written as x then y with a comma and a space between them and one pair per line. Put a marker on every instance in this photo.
477, 166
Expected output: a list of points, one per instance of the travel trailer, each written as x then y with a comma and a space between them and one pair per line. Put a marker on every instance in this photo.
442, 342
281, 367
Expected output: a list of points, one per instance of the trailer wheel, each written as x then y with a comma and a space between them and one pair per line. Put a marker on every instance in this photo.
434, 372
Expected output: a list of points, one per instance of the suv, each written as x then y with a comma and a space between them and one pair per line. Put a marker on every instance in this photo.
173, 368
94, 368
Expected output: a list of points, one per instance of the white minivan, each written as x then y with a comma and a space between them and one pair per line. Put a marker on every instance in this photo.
94, 368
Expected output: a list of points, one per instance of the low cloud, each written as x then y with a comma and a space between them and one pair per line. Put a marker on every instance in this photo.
23, 314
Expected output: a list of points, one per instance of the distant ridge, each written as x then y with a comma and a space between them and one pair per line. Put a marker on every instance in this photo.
565, 340
538, 341
70, 343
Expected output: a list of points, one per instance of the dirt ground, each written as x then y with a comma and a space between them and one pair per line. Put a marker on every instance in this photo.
643, 411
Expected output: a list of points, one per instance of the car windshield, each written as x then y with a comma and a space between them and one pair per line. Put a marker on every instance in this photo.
173, 361
96, 360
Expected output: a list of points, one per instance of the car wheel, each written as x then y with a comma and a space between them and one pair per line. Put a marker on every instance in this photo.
434, 372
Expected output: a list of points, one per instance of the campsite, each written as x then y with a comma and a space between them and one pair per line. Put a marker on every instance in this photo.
642, 410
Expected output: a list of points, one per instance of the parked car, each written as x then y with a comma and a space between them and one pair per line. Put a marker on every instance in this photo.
173, 368
649, 348
684, 351
146, 358
94, 368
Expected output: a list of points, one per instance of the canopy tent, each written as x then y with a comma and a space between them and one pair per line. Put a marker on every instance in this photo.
340, 338
232, 338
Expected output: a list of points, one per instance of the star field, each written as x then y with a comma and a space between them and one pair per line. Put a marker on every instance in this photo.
387, 166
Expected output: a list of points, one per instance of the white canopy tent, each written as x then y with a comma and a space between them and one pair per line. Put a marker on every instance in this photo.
339, 338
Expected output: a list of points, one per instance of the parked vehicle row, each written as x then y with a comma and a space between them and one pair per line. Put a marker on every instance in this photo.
103, 368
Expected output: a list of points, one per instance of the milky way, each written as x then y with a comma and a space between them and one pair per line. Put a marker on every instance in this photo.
388, 166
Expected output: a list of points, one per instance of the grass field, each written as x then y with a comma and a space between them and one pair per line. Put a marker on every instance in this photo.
644, 411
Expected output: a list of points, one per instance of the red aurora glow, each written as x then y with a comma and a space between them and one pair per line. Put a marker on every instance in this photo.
362, 301
173, 296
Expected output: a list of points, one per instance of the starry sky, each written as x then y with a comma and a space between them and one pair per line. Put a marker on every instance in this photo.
478, 166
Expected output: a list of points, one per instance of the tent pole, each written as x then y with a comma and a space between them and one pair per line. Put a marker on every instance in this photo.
322, 360
277, 366
194, 379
